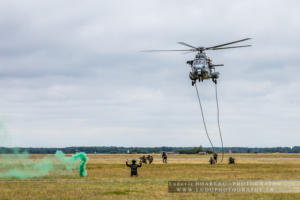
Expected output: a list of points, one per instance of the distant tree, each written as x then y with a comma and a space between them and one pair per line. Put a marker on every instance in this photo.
154, 150
195, 150
209, 152
133, 151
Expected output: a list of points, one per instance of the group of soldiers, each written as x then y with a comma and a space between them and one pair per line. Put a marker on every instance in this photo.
213, 160
133, 166
148, 158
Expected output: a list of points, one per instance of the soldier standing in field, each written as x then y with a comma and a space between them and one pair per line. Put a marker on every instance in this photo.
164, 157
133, 167
216, 157
212, 161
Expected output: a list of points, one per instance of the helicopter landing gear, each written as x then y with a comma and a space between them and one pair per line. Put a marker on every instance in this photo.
193, 78
193, 83
214, 80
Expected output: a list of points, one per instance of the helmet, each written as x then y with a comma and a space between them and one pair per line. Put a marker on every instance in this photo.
133, 161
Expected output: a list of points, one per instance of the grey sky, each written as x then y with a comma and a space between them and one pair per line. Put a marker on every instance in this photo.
71, 73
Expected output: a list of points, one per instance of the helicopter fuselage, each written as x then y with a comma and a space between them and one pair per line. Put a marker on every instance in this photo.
202, 69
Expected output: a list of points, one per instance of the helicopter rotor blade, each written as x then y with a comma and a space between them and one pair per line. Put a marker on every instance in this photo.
188, 45
230, 47
162, 50
221, 45
218, 65
188, 52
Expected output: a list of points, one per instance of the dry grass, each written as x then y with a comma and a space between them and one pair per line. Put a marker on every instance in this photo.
108, 178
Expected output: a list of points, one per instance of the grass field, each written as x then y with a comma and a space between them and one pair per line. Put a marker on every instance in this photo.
108, 178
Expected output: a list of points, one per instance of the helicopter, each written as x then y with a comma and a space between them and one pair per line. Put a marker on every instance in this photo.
202, 69
201, 66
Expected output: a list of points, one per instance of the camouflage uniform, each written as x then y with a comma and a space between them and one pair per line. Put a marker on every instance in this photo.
216, 157
150, 159
143, 159
212, 161
164, 157
133, 167
231, 160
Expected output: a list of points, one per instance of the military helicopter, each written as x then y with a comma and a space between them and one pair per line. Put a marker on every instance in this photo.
201, 66
203, 69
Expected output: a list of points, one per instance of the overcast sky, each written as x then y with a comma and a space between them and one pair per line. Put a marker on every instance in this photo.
71, 73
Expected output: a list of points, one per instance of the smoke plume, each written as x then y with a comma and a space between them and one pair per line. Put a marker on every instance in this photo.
22, 165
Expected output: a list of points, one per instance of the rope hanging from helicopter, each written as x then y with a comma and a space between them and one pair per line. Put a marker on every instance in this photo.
203, 119
218, 119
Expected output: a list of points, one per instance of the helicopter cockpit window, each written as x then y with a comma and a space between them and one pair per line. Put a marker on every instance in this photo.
202, 62
197, 62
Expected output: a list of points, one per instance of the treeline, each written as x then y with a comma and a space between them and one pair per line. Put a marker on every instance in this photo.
147, 150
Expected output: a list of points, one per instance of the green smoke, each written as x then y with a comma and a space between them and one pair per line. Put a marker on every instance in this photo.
21, 165
83, 158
